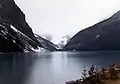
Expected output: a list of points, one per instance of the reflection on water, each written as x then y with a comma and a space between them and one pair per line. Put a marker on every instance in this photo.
50, 68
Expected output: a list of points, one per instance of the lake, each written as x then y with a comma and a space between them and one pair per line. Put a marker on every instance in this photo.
51, 67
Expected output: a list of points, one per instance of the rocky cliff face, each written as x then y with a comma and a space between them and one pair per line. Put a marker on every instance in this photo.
17, 39
15, 34
104, 35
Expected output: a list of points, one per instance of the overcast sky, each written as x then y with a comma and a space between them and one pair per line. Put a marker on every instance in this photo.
61, 17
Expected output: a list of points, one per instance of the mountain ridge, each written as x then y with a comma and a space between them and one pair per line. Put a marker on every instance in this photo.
95, 33
20, 37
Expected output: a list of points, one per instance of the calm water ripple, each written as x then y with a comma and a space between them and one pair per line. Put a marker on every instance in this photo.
50, 67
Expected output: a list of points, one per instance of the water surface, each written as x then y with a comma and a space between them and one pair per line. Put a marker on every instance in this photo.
50, 67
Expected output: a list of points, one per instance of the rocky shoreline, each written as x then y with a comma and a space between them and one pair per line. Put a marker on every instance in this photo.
106, 75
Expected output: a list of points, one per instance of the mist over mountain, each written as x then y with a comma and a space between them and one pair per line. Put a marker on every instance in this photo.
47, 36
46, 44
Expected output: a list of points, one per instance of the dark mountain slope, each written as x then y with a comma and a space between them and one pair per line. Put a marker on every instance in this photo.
46, 44
11, 14
19, 39
101, 36
14, 41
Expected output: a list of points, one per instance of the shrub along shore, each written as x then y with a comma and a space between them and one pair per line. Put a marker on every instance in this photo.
106, 75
